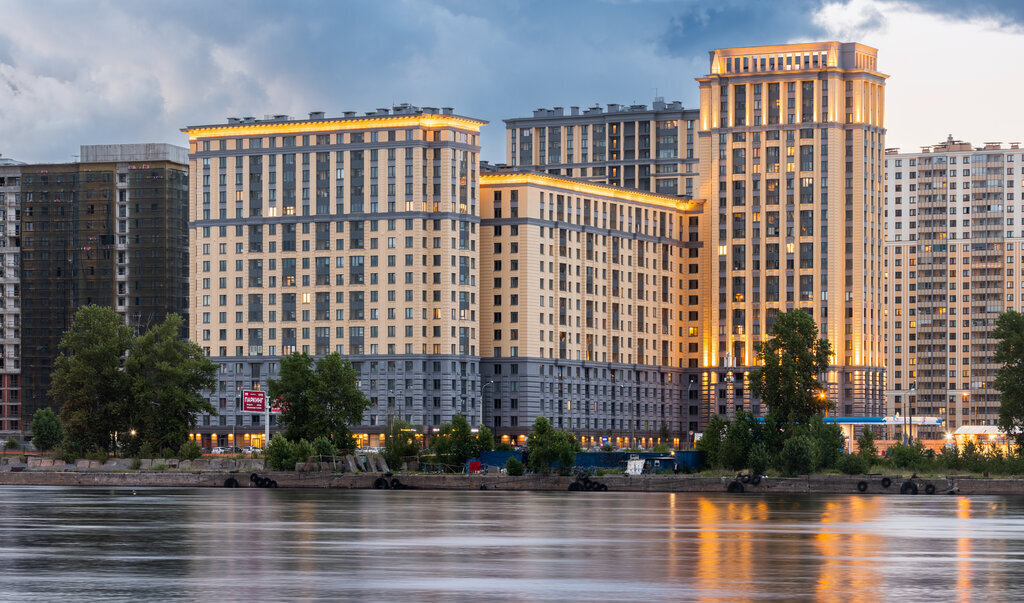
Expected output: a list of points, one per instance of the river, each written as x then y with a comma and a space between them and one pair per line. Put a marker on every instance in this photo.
91, 544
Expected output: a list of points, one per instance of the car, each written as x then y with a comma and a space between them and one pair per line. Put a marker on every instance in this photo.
252, 450
221, 450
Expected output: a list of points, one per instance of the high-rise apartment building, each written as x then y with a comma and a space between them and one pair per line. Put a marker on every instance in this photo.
10, 298
355, 234
590, 310
108, 230
791, 143
954, 244
638, 147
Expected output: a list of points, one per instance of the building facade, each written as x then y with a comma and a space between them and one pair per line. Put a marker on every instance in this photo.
791, 142
109, 230
952, 249
10, 298
355, 234
590, 309
636, 146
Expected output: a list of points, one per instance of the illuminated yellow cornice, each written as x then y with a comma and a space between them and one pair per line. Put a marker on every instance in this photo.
588, 188
427, 121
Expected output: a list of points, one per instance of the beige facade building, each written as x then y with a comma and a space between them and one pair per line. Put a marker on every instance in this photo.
10, 298
791, 142
590, 309
355, 234
632, 146
953, 251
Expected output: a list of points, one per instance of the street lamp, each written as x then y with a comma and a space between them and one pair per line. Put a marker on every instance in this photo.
482, 390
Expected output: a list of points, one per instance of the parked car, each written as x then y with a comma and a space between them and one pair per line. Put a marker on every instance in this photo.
220, 450
251, 450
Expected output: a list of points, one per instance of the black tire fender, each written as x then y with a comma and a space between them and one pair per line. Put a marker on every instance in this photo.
380, 484
253, 477
862, 486
603, 487
231, 483
735, 487
755, 479
886, 482
575, 487
273, 483
929, 489
745, 478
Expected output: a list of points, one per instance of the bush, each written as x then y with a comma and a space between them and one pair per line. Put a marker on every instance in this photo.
135, 464
301, 452
711, 442
504, 447
146, 451
279, 453
11, 444
167, 452
322, 446
828, 440
759, 459
159, 467
735, 449
799, 455
853, 464
514, 467
47, 430
98, 454
67, 456
190, 450
866, 444
902, 456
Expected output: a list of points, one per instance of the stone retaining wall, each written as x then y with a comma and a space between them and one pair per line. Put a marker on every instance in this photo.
191, 478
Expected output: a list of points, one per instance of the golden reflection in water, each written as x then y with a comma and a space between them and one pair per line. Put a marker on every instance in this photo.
846, 552
964, 550
709, 546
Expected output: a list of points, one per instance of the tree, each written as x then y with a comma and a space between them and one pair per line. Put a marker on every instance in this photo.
1010, 378
399, 443
866, 445
456, 443
89, 382
548, 445
792, 359
167, 376
320, 399
710, 442
47, 431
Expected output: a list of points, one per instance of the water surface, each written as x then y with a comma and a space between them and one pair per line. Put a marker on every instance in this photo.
87, 544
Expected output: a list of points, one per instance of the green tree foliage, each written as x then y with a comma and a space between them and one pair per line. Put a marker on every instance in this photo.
279, 453
320, 399
167, 375
456, 443
853, 464
791, 360
799, 455
739, 437
711, 442
548, 446
89, 381
759, 459
1010, 378
189, 451
301, 451
399, 444
866, 445
47, 432
828, 439
324, 447
514, 467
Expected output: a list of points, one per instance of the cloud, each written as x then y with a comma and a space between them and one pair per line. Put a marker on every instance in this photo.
112, 71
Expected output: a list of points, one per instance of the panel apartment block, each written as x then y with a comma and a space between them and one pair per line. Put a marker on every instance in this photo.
10, 298
791, 142
109, 230
635, 146
355, 234
590, 309
952, 251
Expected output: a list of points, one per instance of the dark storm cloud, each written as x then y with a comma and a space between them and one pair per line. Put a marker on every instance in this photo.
1008, 13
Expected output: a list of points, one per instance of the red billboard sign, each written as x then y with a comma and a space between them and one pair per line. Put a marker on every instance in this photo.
253, 401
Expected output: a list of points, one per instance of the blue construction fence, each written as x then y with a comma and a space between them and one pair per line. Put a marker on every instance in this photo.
689, 461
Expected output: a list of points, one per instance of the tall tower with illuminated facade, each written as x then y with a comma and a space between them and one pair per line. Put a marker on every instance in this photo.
791, 148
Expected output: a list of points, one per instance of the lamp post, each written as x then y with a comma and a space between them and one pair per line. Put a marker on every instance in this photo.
482, 390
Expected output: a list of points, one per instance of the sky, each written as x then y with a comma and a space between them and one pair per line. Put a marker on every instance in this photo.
104, 72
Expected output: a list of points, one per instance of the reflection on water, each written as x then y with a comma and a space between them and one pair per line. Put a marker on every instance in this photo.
90, 544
